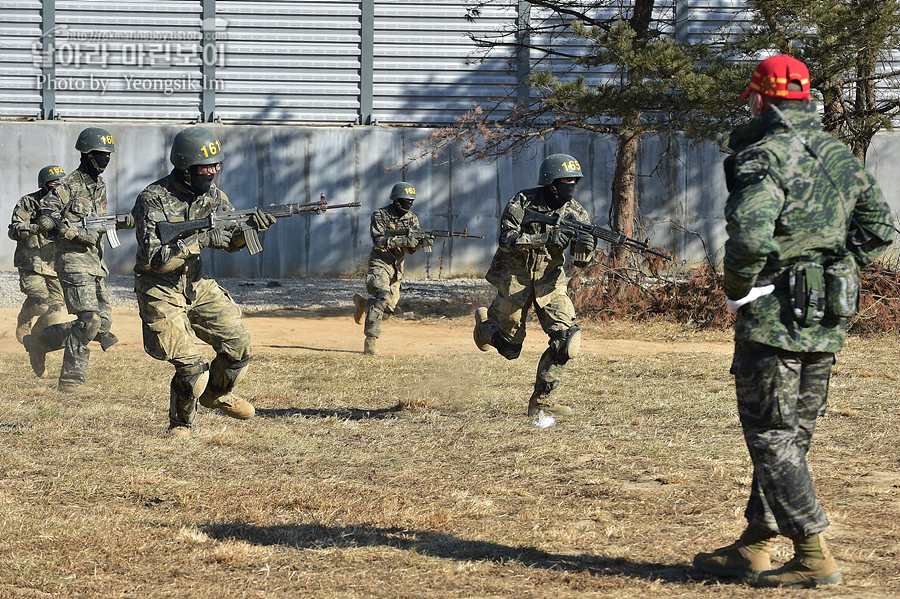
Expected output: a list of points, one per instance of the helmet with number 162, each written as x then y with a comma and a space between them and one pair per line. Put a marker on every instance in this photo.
195, 146
50, 173
403, 190
558, 166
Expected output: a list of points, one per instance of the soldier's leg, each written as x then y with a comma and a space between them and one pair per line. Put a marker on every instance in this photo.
104, 337
501, 326
36, 301
168, 336
80, 293
778, 404
557, 317
381, 284
55, 303
216, 319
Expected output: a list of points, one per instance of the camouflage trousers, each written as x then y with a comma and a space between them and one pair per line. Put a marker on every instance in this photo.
171, 318
43, 298
780, 395
86, 297
556, 315
383, 283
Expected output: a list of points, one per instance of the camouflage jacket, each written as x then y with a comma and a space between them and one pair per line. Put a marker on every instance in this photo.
389, 249
75, 196
520, 267
177, 264
784, 207
34, 252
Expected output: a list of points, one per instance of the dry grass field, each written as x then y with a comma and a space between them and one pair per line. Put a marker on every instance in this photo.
417, 474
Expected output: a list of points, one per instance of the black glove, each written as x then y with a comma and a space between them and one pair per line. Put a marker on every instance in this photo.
560, 236
262, 221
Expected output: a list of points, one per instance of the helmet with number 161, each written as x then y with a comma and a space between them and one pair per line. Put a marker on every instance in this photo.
558, 166
403, 190
195, 146
95, 139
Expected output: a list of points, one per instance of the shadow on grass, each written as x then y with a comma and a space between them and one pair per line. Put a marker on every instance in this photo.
444, 546
340, 413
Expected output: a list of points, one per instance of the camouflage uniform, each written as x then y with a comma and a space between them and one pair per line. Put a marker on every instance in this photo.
177, 300
81, 271
785, 207
527, 275
34, 258
385, 275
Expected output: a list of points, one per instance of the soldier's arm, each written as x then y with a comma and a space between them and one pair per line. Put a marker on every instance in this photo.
22, 224
513, 238
750, 214
871, 226
237, 240
148, 210
583, 245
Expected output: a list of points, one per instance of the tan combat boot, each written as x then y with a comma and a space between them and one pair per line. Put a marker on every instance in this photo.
179, 431
69, 388
360, 302
746, 558
37, 353
369, 348
539, 402
23, 328
481, 315
812, 566
230, 405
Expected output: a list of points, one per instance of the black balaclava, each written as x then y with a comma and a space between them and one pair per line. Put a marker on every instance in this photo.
193, 180
94, 163
564, 191
404, 205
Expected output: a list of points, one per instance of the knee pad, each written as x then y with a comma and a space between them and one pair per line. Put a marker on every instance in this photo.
507, 349
192, 378
224, 373
86, 327
566, 344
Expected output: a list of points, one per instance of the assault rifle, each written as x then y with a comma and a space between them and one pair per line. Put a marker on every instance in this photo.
569, 221
48, 222
420, 234
240, 221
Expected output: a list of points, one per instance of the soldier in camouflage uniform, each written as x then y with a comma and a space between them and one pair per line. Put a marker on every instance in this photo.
34, 259
79, 263
176, 299
385, 275
527, 270
802, 215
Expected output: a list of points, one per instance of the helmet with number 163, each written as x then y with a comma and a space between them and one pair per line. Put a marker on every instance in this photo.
403, 190
50, 173
195, 146
558, 166
95, 139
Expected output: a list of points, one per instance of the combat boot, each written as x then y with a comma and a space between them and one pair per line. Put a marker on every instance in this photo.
37, 353
107, 340
68, 387
539, 402
746, 558
230, 405
23, 327
369, 348
360, 303
481, 315
812, 566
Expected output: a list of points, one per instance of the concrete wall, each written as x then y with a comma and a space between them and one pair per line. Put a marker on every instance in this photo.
263, 165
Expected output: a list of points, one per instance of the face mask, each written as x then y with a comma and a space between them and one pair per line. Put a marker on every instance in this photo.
200, 184
94, 162
404, 204
565, 191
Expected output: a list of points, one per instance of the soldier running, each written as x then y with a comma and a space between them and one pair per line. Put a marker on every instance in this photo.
527, 270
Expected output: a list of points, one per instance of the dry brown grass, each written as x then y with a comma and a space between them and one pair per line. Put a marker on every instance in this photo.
408, 476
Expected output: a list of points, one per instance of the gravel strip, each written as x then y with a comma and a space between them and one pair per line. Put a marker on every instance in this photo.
267, 294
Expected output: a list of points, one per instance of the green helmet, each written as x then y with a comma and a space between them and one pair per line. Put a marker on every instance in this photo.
95, 138
50, 173
558, 166
403, 190
195, 146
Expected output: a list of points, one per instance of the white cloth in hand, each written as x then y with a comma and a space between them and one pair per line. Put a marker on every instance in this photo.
755, 293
